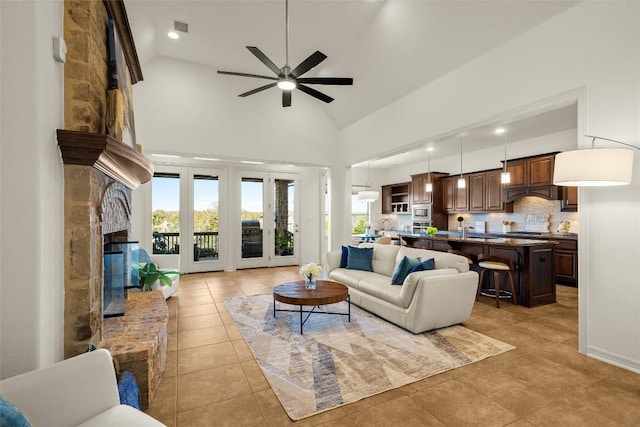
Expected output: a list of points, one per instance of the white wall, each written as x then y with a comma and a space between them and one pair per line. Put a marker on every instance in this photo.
31, 188
594, 46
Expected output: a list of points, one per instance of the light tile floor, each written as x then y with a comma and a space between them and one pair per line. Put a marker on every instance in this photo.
212, 378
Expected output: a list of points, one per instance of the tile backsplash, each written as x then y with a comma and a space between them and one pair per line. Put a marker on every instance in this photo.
523, 210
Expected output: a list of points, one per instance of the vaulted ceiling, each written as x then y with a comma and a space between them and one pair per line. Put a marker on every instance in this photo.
390, 48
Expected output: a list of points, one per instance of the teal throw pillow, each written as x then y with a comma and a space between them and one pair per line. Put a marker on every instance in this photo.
11, 416
403, 269
343, 257
360, 258
428, 264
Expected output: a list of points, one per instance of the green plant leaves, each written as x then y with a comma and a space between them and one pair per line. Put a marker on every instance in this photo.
149, 273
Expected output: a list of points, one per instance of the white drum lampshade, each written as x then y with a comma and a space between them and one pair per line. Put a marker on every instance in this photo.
595, 167
368, 196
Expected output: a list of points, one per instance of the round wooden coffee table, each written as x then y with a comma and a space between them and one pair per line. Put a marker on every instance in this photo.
326, 292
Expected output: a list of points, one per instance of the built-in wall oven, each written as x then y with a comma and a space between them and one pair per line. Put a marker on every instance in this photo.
421, 217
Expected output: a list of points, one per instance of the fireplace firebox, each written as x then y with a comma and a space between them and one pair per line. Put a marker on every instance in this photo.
120, 261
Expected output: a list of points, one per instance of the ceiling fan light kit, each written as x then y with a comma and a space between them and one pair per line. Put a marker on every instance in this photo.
288, 79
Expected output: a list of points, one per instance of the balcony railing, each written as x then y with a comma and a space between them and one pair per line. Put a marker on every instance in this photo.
205, 245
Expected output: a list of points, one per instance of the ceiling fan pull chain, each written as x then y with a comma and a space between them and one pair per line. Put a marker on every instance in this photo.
286, 62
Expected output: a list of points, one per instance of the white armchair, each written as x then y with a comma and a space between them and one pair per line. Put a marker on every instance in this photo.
163, 262
80, 391
167, 262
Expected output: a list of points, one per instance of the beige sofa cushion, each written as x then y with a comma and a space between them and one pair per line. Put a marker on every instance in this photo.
380, 286
384, 257
351, 278
441, 259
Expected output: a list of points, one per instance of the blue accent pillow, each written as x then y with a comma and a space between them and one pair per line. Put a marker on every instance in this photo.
428, 264
343, 259
11, 416
360, 258
128, 390
402, 271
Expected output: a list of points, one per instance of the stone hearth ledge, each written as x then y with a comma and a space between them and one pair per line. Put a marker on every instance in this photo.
138, 340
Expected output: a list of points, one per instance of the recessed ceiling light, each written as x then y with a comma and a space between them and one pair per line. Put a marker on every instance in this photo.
166, 155
173, 35
249, 162
430, 149
207, 158
499, 131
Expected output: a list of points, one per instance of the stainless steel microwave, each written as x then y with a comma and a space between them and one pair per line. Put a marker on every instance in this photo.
421, 212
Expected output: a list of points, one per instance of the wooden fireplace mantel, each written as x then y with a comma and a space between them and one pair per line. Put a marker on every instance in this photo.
108, 155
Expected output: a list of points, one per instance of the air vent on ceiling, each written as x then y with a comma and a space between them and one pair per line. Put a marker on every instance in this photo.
181, 26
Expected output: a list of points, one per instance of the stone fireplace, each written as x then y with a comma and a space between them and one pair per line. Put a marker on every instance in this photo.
95, 205
99, 171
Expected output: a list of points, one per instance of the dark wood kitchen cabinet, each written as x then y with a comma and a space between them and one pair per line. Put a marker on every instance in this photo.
517, 170
483, 193
418, 188
477, 191
455, 199
567, 262
419, 193
531, 172
531, 176
461, 199
395, 198
493, 192
386, 199
448, 194
569, 199
540, 170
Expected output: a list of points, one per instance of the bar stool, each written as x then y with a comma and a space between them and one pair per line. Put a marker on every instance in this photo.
497, 265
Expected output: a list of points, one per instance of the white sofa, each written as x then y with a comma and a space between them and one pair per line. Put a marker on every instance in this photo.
426, 300
80, 391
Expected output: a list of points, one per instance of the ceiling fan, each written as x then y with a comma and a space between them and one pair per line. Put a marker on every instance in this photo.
289, 79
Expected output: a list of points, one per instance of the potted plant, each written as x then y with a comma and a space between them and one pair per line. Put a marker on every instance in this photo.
149, 273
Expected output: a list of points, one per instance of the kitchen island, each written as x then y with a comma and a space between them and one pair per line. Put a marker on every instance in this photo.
534, 276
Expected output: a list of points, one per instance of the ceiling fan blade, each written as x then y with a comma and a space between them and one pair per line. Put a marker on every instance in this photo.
257, 76
319, 95
314, 59
260, 89
327, 80
266, 61
286, 98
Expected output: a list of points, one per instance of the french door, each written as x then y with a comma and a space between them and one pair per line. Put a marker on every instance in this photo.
205, 244
268, 219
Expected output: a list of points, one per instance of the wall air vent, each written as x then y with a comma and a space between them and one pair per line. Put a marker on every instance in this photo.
181, 26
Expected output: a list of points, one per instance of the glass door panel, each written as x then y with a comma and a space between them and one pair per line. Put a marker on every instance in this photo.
252, 218
205, 218
165, 208
284, 218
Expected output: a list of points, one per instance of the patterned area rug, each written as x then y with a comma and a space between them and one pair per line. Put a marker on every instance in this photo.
337, 362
